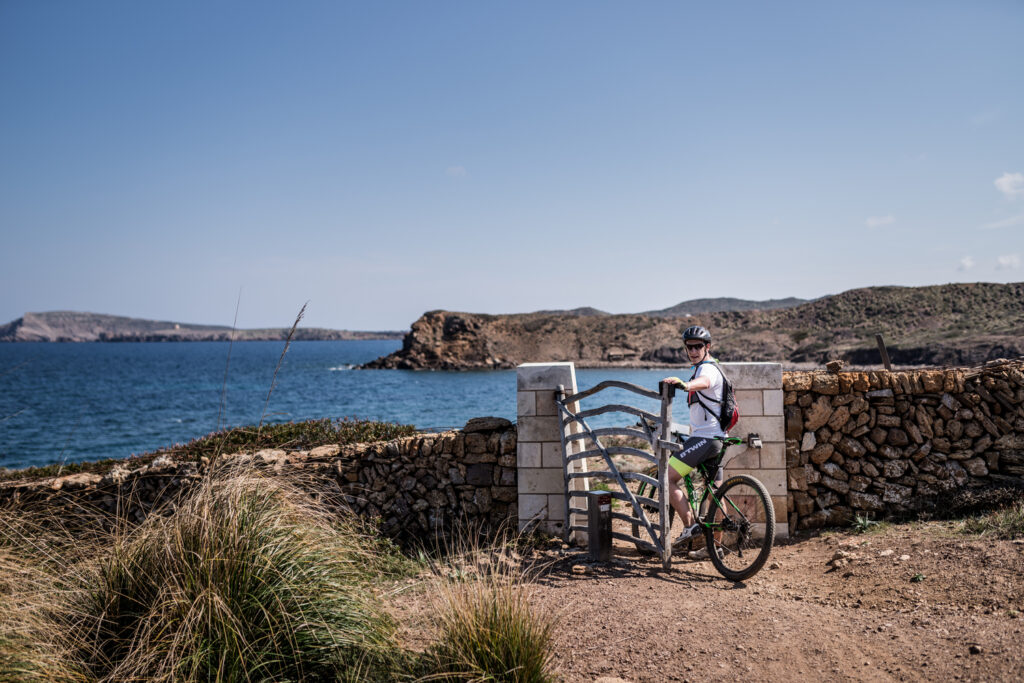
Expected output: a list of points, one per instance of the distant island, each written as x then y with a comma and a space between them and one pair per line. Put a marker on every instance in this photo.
72, 326
955, 324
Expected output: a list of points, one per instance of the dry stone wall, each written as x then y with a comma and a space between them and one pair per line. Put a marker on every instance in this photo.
890, 443
417, 487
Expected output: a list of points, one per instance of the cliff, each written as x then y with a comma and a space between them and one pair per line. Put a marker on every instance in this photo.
72, 326
953, 324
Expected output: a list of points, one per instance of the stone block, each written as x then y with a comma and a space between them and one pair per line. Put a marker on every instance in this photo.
794, 419
540, 429
797, 381
750, 401
533, 506
781, 505
551, 455
773, 456
747, 459
809, 442
505, 494
480, 475
797, 479
825, 383
773, 480
770, 428
773, 401
817, 414
528, 455
546, 403
541, 480
526, 403
556, 508
538, 376
754, 375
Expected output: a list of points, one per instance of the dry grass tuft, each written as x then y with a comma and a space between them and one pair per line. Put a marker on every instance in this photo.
487, 628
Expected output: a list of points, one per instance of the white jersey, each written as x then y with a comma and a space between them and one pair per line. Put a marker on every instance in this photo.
703, 423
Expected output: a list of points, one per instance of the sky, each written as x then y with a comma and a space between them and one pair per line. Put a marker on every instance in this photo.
171, 160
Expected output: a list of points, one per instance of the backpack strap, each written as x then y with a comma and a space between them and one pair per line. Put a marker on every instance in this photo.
697, 393
699, 397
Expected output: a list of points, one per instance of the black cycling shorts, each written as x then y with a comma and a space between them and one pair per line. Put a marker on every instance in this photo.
696, 449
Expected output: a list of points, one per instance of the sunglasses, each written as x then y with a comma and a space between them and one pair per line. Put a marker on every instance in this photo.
695, 347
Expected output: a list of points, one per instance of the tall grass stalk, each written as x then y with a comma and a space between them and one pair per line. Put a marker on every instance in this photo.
227, 363
280, 360
38, 566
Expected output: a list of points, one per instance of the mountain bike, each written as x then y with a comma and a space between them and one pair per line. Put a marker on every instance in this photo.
737, 518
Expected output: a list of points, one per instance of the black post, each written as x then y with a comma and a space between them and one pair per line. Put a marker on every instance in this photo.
885, 354
599, 525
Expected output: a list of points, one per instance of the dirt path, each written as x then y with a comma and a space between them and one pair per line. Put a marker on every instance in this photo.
805, 617
909, 602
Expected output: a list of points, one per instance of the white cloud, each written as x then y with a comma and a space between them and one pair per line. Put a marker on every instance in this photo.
877, 221
1011, 184
1007, 261
1005, 222
455, 171
966, 263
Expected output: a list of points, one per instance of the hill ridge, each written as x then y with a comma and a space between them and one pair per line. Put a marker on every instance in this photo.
77, 326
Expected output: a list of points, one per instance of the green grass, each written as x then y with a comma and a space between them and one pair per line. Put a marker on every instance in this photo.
302, 435
1007, 523
863, 524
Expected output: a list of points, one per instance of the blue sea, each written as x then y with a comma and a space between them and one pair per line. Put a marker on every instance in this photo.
65, 402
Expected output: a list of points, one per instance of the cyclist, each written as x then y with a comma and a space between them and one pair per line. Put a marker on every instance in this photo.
704, 393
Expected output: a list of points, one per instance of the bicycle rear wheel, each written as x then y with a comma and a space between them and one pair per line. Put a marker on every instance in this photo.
743, 520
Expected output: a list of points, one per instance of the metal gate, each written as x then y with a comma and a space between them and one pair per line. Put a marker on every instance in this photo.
655, 429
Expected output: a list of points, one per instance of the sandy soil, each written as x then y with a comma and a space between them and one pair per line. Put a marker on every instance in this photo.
909, 602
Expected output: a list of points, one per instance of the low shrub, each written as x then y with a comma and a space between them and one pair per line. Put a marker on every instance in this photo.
863, 524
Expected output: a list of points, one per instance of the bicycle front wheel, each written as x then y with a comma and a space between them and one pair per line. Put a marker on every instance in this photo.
741, 527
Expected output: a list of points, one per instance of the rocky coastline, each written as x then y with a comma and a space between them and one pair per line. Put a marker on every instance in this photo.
946, 325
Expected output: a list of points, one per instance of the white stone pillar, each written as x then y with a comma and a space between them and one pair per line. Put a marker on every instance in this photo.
539, 451
759, 397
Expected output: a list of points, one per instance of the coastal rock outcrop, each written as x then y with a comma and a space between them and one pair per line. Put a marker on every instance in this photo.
962, 324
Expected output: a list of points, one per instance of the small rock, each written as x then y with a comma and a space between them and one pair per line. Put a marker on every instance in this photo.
975, 649
162, 461
485, 424
834, 366
886, 552
580, 569
904, 558
775, 565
